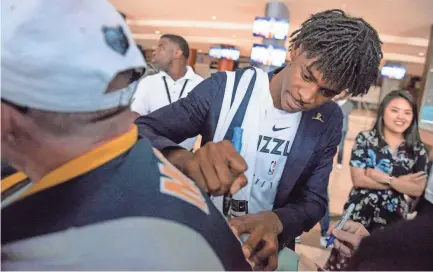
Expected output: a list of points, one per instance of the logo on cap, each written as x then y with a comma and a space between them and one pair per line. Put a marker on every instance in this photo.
116, 39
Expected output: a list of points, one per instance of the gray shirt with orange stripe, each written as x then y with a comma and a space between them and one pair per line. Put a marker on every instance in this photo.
133, 212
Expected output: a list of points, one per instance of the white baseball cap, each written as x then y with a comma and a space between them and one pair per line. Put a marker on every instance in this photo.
61, 55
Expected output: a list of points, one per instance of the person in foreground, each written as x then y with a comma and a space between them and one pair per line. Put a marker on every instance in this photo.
404, 246
291, 131
91, 194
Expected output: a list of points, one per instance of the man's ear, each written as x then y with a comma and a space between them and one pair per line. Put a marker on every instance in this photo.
178, 53
16, 123
15, 133
8, 122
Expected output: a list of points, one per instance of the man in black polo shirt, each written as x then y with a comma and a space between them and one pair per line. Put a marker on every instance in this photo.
91, 194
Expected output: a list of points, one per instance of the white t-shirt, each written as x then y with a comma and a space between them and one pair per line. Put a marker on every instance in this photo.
277, 133
151, 94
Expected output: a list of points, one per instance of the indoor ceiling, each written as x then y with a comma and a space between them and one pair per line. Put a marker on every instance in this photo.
403, 25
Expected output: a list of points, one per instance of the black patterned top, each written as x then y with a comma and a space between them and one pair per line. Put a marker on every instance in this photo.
376, 208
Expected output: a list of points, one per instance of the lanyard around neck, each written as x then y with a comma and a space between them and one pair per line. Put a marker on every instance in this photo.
168, 91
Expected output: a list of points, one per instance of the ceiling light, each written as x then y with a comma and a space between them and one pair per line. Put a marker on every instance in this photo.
213, 17
421, 54
157, 32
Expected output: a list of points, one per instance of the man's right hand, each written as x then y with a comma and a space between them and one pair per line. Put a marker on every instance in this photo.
217, 168
348, 238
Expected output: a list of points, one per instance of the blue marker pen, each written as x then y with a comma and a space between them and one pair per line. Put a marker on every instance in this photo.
343, 221
237, 138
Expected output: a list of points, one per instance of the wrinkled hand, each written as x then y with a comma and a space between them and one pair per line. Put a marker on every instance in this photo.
420, 177
348, 238
261, 247
217, 168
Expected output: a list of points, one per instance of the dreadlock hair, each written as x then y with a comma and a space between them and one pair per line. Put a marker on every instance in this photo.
348, 49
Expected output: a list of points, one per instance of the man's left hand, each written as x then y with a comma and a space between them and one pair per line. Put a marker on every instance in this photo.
261, 247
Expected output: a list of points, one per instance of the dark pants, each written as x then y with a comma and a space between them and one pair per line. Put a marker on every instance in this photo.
341, 147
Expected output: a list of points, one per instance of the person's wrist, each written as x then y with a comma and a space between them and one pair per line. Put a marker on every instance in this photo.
179, 157
390, 180
184, 166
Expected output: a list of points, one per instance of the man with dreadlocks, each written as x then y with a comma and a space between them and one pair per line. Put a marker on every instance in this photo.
291, 130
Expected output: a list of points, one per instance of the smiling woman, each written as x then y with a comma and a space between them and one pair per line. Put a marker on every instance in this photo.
390, 159
389, 167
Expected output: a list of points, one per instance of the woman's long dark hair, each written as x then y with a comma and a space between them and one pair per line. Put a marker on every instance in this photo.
411, 134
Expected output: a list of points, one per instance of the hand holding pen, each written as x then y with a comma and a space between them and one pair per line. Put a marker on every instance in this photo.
217, 168
348, 238
346, 215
